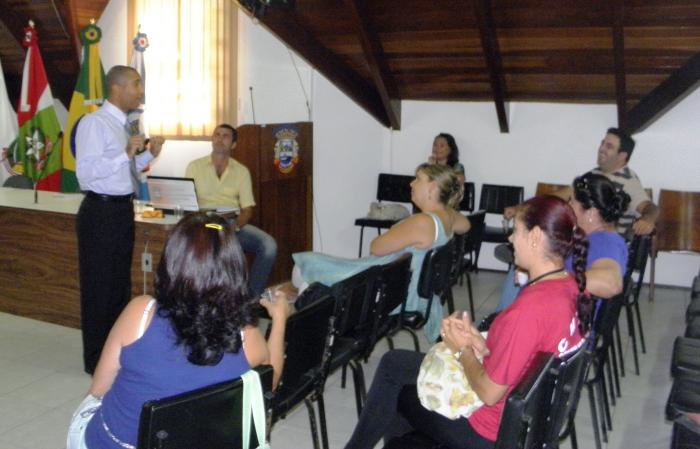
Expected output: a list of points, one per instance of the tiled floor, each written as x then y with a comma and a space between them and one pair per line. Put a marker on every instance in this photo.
41, 381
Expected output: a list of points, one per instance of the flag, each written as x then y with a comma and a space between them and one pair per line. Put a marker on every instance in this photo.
39, 139
8, 131
88, 95
140, 43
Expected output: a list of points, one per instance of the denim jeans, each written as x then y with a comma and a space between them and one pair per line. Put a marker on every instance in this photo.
509, 292
255, 240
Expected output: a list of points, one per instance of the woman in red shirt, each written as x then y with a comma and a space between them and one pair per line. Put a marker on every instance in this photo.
552, 314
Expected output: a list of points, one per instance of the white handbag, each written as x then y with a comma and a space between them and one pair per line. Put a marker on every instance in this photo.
254, 405
442, 385
79, 422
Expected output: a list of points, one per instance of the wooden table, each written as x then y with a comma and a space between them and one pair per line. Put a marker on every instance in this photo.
39, 255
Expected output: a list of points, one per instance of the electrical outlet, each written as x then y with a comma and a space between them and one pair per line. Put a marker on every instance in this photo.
146, 262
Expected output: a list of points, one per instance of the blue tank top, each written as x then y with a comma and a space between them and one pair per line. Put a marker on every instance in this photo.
152, 367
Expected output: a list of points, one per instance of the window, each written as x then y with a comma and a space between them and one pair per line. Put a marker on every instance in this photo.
190, 64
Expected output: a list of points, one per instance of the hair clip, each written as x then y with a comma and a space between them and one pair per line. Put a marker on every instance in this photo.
216, 226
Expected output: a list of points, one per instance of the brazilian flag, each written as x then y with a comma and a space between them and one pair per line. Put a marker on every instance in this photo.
88, 96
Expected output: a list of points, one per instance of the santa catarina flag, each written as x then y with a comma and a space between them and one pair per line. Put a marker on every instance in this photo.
8, 131
88, 96
39, 139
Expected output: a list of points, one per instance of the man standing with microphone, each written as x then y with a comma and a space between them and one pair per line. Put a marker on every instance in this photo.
107, 156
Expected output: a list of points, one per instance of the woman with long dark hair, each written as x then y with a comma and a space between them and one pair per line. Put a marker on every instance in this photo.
551, 315
446, 152
198, 330
598, 204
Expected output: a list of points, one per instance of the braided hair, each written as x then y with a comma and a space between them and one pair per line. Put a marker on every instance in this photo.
594, 190
557, 221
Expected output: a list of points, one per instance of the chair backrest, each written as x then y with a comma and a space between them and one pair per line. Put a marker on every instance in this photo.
475, 235
308, 340
467, 203
638, 252
392, 290
19, 182
571, 376
544, 188
435, 272
678, 225
208, 417
353, 296
395, 188
495, 198
527, 408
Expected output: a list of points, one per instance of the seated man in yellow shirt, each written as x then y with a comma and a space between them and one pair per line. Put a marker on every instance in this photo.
221, 181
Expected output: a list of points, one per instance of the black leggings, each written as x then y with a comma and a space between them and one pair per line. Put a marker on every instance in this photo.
386, 416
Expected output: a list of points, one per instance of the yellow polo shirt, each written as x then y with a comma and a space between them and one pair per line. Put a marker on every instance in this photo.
233, 189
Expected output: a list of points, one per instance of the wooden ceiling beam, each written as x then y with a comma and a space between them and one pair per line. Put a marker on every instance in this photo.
376, 60
492, 55
664, 96
285, 26
618, 34
58, 81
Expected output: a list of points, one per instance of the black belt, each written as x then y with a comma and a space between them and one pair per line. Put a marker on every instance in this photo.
110, 198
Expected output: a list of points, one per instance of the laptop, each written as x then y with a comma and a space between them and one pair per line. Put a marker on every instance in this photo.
168, 193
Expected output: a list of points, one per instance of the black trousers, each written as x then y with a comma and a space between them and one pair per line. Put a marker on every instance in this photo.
105, 247
393, 409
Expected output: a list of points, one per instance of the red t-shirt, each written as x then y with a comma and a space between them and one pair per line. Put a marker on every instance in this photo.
543, 318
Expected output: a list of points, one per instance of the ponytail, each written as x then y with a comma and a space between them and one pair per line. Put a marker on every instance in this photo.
584, 303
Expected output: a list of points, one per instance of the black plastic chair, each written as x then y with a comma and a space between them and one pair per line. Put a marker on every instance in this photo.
494, 199
472, 246
467, 203
525, 415
434, 281
19, 182
354, 323
684, 398
394, 188
308, 344
208, 417
603, 347
392, 285
639, 249
571, 375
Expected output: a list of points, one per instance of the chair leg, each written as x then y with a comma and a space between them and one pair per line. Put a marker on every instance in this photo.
639, 326
358, 377
450, 300
471, 295
312, 422
594, 415
322, 418
572, 435
603, 408
362, 234
617, 343
343, 376
633, 335
613, 377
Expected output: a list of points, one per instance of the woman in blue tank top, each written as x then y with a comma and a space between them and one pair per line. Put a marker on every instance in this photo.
197, 331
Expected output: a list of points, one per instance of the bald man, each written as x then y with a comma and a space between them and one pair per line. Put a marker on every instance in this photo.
106, 155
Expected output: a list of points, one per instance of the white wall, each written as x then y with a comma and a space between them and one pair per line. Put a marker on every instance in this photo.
547, 142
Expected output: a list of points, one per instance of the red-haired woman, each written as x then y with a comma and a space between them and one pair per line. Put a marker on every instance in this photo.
552, 314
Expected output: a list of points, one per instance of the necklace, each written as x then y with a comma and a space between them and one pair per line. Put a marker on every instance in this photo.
544, 275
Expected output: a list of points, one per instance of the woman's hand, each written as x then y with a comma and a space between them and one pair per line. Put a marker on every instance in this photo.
458, 333
277, 307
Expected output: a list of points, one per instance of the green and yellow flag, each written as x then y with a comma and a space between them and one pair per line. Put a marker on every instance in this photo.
88, 96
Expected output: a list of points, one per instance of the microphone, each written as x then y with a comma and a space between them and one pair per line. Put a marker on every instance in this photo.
134, 129
252, 104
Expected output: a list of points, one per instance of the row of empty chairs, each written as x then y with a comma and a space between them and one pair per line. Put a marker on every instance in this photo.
684, 398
